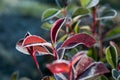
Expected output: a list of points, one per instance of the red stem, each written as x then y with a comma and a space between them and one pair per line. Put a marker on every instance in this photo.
55, 53
94, 21
32, 53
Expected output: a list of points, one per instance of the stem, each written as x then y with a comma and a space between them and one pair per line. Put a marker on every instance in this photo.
64, 12
38, 67
94, 21
55, 53
70, 72
32, 53
100, 39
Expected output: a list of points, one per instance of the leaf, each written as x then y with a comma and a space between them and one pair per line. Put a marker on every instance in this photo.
80, 11
97, 68
61, 76
62, 3
112, 56
55, 29
103, 77
48, 78
50, 13
59, 66
92, 52
63, 38
107, 14
77, 39
77, 57
115, 74
15, 76
113, 34
33, 39
41, 50
46, 26
83, 64
89, 3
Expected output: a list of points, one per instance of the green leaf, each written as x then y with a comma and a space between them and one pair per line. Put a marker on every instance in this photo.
77, 29
116, 74
113, 34
107, 14
93, 53
50, 13
15, 76
89, 3
63, 38
46, 26
80, 11
112, 56
103, 78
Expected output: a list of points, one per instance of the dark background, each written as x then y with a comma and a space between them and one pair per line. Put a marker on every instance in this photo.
16, 18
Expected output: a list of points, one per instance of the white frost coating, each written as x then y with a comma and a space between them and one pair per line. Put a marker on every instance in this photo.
108, 17
61, 76
39, 44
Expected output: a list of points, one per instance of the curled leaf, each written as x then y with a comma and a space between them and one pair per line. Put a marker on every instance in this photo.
55, 29
77, 39
59, 66
33, 39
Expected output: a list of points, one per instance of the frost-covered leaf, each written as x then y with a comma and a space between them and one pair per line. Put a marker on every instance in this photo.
50, 13
107, 14
80, 11
83, 64
112, 56
33, 39
89, 3
78, 56
61, 76
97, 68
55, 29
77, 39
59, 66
116, 74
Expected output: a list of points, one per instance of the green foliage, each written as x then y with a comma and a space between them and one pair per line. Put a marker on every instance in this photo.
80, 11
112, 56
50, 13
89, 3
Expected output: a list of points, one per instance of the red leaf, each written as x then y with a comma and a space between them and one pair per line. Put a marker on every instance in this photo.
20, 48
84, 63
55, 29
32, 40
77, 57
59, 66
83, 38
97, 68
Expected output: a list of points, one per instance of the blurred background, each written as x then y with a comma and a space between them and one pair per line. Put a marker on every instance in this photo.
16, 18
